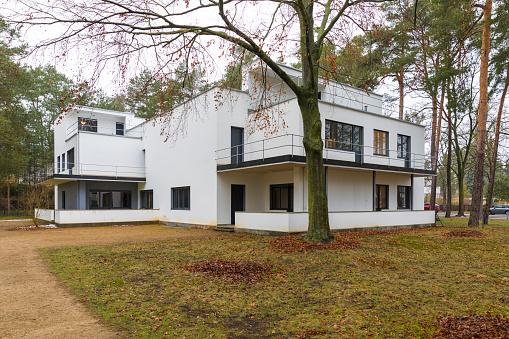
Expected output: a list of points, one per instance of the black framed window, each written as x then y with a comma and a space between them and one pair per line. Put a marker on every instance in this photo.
119, 128
109, 199
87, 124
63, 162
70, 158
343, 136
181, 198
58, 164
403, 149
380, 142
147, 199
382, 197
403, 197
281, 197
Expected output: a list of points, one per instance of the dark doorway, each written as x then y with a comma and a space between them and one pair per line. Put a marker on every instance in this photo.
238, 196
63, 200
237, 146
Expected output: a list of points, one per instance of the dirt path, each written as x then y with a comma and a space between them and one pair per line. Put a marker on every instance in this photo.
33, 303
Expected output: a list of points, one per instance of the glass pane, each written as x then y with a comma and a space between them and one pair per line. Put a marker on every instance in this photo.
328, 136
339, 135
347, 137
117, 199
356, 140
284, 198
185, 198
126, 199
93, 200
104, 199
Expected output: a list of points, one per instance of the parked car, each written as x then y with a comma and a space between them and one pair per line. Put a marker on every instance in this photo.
426, 206
500, 209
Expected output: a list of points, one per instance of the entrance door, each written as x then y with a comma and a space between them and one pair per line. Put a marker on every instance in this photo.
238, 194
237, 145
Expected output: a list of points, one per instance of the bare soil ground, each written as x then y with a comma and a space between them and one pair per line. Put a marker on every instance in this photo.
33, 303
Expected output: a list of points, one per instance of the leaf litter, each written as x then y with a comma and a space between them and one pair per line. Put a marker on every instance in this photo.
473, 326
237, 270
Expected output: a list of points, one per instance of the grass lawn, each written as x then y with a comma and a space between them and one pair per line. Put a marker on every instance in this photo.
14, 217
392, 286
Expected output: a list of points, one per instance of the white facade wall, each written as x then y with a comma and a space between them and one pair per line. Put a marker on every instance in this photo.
189, 158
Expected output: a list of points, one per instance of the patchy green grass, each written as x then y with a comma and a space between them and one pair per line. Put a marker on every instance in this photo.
392, 286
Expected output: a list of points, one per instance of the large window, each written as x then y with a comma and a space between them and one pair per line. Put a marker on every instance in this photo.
147, 199
181, 198
403, 197
281, 197
382, 197
87, 124
403, 146
109, 199
343, 136
380, 140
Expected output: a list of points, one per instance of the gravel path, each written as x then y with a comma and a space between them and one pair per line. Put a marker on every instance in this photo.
33, 303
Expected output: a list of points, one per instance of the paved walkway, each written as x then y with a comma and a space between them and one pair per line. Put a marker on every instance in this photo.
33, 303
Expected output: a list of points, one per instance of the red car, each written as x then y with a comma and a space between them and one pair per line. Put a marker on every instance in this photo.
426, 207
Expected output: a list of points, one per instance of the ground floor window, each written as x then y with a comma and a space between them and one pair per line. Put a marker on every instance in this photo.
147, 199
403, 197
382, 197
109, 199
181, 198
281, 197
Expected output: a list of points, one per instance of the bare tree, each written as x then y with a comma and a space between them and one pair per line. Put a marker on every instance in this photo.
123, 30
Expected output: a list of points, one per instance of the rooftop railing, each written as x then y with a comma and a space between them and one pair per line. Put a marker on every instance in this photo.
291, 144
99, 129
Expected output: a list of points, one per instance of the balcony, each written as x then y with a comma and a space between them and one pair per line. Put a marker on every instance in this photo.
55, 174
289, 148
102, 128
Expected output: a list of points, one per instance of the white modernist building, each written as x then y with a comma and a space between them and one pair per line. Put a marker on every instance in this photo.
221, 160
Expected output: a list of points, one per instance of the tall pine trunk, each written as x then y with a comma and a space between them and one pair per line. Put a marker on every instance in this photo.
399, 77
433, 194
477, 191
8, 196
489, 198
449, 174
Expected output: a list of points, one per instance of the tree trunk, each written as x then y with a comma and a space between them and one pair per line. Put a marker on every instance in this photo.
449, 160
489, 198
8, 196
399, 77
318, 228
461, 195
433, 194
477, 191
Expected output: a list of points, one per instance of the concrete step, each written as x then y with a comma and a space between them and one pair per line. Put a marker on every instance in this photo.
225, 228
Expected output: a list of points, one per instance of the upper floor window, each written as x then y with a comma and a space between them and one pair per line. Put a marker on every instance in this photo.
343, 136
119, 128
403, 146
87, 124
380, 140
